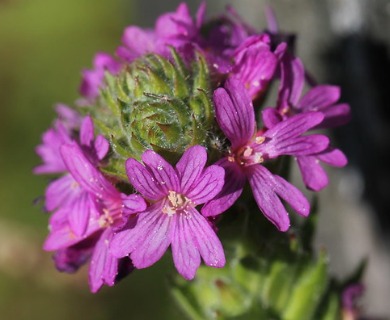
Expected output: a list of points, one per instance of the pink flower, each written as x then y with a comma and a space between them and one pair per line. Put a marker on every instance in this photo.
321, 98
52, 139
250, 149
177, 29
255, 63
65, 193
172, 218
92, 80
101, 210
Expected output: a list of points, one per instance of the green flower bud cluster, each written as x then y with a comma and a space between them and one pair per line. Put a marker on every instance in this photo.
155, 103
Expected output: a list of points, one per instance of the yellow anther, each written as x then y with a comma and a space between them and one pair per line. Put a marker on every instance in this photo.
260, 139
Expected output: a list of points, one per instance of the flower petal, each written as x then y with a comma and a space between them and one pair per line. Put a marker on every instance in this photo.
232, 189
59, 217
69, 117
292, 81
154, 243
336, 115
270, 117
207, 242
101, 146
132, 204
128, 240
185, 253
52, 140
86, 132
333, 157
313, 175
69, 260
61, 237
319, 97
292, 196
79, 213
105, 61
176, 25
143, 180
234, 112
263, 184
200, 14
103, 267
85, 173
297, 146
190, 166
294, 126
162, 171
208, 185
255, 68
136, 42
61, 192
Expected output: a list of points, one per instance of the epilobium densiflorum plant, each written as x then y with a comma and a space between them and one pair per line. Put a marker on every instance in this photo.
176, 145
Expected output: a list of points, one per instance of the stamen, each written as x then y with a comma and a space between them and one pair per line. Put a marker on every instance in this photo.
285, 110
248, 151
260, 139
231, 159
259, 157
106, 219
177, 203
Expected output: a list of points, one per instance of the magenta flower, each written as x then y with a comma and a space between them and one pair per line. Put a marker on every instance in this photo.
177, 29
65, 193
255, 63
313, 174
172, 218
249, 149
52, 140
92, 80
221, 36
320, 98
62, 132
107, 210
227, 43
69, 117
235, 49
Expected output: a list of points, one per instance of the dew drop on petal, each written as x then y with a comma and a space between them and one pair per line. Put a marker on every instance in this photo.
214, 263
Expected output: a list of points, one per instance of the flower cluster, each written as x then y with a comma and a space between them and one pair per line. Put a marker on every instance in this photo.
119, 222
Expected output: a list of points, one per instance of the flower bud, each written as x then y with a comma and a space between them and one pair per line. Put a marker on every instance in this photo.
159, 104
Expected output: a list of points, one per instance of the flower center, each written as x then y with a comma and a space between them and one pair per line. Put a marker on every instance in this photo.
110, 216
251, 153
246, 156
177, 203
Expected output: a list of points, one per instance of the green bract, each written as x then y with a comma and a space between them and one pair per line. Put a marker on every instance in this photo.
155, 103
268, 275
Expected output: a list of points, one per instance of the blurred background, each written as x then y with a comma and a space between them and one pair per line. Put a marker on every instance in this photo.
45, 44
